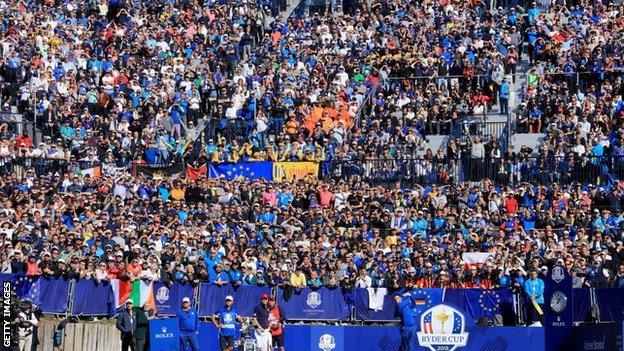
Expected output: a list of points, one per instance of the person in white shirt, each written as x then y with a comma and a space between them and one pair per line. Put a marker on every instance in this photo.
101, 273
363, 280
39, 152
26, 329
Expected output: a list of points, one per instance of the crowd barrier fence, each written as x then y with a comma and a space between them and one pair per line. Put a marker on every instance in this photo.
89, 297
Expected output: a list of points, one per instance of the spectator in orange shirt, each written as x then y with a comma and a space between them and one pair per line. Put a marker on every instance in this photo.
177, 193
134, 269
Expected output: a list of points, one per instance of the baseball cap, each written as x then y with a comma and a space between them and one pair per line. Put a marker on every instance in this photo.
264, 296
129, 301
229, 298
186, 299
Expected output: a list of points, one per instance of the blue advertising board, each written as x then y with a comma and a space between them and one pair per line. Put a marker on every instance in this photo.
558, 309
168, 299
314, 304
164, 334
384, 338
595, 337
368, 338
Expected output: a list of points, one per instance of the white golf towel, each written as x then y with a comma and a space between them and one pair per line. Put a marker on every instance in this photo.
263, 340
376, 298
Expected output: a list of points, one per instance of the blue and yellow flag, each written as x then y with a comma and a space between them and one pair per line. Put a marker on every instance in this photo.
295, 170
249, 170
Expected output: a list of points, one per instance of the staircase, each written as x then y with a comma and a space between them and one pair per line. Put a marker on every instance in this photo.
532, 140
433, 142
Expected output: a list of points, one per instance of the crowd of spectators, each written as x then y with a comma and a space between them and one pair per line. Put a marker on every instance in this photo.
225, 81
308, 234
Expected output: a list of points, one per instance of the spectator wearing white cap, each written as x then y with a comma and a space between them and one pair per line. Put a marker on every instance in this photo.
126, 324
225, 320
189, 325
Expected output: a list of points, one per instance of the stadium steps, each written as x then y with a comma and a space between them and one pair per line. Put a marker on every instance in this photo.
433, 142
532, 140
292, 6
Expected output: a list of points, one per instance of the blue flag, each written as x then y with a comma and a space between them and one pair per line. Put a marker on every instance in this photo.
423, 299
249, 170
487, 303
22, 285
92, 298
50, 294
481, 302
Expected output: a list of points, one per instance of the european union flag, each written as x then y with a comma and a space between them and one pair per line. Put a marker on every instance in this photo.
249, 170
487, 303
22, 285
423, 299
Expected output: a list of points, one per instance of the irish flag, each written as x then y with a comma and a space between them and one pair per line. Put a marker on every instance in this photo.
93, 173
139, 291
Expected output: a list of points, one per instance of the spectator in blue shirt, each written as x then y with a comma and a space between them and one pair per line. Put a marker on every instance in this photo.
409, 324
225, 320
189, 325
503, 96
534, 290
221, 277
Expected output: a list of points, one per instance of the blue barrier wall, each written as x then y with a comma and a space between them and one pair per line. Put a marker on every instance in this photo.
91, 298
246, 298
596, 337
164, 334
365, 338
314, 304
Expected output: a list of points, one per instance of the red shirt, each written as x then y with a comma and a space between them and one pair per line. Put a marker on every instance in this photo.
274, 321
511, 205
325, 197
23, 140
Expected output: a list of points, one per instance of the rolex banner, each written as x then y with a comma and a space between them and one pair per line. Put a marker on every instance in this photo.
164, 334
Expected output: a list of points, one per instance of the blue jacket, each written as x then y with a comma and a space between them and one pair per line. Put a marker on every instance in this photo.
504, 90
404, 309
535, 287
125, 323
189, 322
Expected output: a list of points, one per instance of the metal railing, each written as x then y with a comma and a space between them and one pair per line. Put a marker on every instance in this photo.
299, 10
43, 166
410, 170
597, 170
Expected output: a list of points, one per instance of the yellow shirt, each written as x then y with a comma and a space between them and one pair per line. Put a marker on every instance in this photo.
177, 194
298, 280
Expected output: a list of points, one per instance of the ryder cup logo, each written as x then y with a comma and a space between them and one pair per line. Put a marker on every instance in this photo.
558, 275
162, 294
442, 329
314, 299
327, 342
